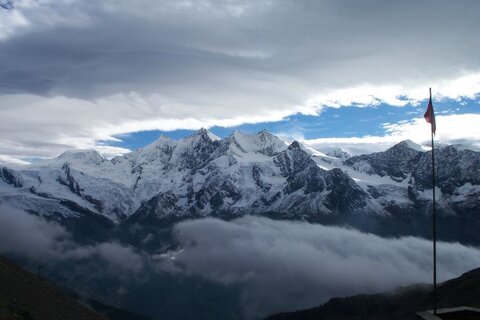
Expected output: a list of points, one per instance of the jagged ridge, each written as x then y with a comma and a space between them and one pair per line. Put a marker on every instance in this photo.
203, 175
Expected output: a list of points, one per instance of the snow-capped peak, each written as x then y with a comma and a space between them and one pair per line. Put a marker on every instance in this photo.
312, 151
338, 153
206, 133
410, 144
154, 149
212, 136
162, 140
263, 142
83, 156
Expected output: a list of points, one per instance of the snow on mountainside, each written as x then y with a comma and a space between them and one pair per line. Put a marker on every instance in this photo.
338, 153
203, 175
401, 175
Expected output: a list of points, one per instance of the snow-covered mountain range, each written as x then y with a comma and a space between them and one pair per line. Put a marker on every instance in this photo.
202, 175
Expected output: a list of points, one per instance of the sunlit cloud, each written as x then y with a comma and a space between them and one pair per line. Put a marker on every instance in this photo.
465, 86
451, 129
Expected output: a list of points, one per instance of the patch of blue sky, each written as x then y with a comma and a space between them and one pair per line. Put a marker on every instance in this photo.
351, 121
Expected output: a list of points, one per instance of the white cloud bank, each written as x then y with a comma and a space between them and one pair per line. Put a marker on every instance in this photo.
451, 129
34, 238
285, 266
73, 73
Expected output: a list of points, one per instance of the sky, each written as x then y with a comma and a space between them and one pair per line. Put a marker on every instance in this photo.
114, 75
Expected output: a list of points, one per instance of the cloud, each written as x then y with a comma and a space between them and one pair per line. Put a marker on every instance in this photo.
463, 86
32, 237
451, 129
10, 20
28, 234
120, 257
9, 160
286, 266
73, 73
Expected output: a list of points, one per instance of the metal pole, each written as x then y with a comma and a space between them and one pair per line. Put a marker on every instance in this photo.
434, 218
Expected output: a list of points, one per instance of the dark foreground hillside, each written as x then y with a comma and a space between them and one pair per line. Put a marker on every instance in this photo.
399, 304
25, 296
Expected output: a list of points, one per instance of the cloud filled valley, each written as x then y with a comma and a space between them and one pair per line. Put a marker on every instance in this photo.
299, 265
266, 266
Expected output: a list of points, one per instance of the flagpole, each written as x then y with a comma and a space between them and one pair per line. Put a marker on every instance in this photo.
434, 218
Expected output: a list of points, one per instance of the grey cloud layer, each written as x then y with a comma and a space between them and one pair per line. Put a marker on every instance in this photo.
186, 49
32, 237
290, 265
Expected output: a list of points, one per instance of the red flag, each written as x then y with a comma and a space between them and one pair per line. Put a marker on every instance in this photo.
430, 115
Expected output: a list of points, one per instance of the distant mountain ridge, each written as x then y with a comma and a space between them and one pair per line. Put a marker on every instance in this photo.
203, 175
